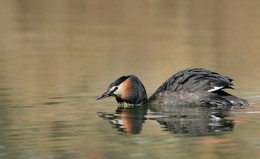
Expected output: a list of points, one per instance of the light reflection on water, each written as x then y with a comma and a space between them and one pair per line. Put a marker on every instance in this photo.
57, 57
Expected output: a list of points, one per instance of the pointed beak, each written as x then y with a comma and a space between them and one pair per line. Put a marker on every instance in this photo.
104, 95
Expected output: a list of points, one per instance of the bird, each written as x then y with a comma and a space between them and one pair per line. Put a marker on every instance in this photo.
193, 86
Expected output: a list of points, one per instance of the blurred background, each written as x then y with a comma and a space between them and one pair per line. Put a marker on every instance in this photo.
57, 56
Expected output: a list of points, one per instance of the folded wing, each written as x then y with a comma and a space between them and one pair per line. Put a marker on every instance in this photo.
194, 80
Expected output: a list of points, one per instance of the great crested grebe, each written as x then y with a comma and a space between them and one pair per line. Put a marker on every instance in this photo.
188, 87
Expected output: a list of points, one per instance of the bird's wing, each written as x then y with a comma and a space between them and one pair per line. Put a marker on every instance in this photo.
198, 79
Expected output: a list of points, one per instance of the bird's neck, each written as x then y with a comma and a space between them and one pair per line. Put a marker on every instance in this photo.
133, 91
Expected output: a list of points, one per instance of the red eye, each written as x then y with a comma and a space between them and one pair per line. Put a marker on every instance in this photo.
116, 88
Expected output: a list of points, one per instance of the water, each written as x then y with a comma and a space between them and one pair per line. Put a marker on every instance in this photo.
57, 57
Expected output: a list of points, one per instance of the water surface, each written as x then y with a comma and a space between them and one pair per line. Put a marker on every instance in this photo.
58, 56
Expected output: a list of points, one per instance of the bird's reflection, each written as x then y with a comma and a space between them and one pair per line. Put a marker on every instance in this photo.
183, 120
127, 120
193, 121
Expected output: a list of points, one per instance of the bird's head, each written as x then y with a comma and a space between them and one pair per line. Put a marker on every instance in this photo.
128, 89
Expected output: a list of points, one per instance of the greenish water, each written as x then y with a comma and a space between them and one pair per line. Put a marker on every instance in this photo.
58, 56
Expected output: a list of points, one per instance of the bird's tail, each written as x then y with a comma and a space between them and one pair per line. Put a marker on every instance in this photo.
236, 101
